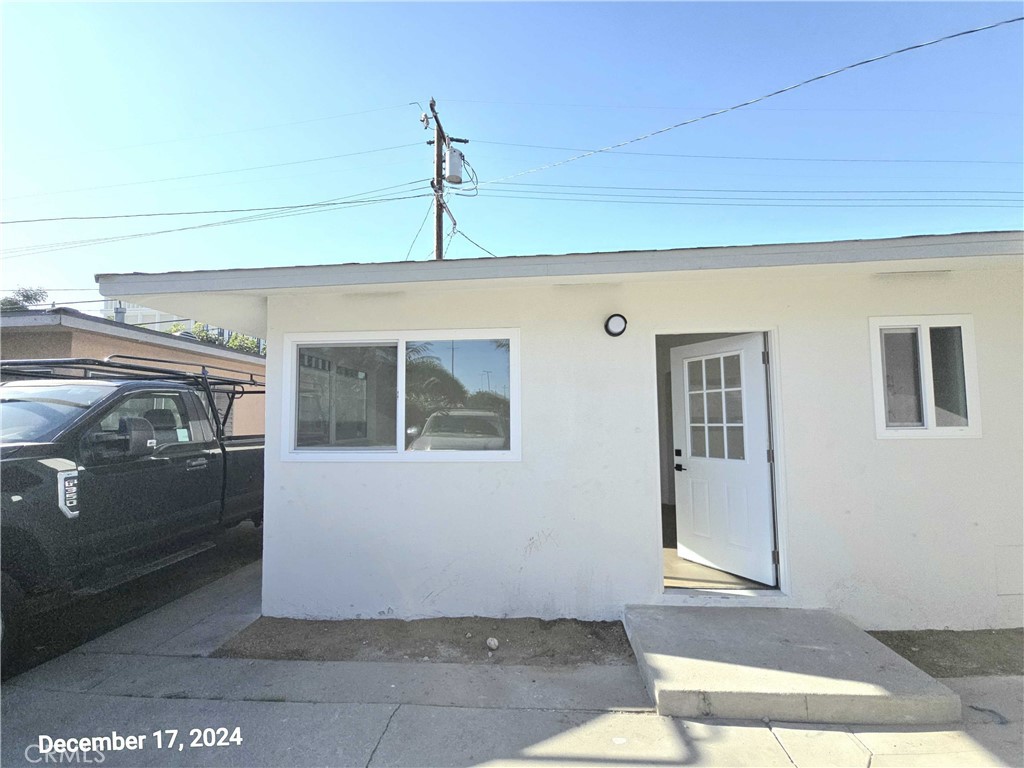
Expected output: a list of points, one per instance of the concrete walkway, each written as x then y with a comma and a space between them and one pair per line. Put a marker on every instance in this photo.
155, 674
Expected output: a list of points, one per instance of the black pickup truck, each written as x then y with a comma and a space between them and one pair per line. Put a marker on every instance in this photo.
110, 467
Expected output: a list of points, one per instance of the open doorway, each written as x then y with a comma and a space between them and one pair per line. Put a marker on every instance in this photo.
718, 519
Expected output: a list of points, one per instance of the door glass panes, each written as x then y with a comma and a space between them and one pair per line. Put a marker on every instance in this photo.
457, 395
713, 373
697, 408
695, 376
948, 377
346, 396
714, 407
716, 443
715, 412
697, 439
731, 367
901, 372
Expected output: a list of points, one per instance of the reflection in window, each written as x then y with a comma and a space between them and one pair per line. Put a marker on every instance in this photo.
457, 395
347, 396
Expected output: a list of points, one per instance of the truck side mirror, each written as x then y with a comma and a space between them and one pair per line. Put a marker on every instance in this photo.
140, 438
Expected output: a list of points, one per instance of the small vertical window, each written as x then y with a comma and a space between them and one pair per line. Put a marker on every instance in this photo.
925, 378
947, 350
901, 365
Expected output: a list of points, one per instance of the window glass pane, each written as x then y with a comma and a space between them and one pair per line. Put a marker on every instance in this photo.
697, 408
714, 407
697, 441
457, 395
734, 407
347, 396
735, 440
716, 442
166, 413
901, 369
948, 377
713, 372
694, 372
732, 370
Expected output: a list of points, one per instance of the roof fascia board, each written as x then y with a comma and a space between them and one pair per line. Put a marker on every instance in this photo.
696, 259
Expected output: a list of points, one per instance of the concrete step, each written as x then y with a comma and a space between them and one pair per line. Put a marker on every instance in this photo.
782, 664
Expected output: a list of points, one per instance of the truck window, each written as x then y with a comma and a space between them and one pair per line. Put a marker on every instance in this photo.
165, 411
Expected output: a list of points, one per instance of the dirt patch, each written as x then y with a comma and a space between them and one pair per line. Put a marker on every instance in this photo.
949, 653
452, 640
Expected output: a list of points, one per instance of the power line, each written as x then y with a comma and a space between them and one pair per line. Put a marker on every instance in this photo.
780, 191
474, 242
764, 109
51, 247
760, 98
780, 199
178, 213
677, 201
417, 235
737, 157
325, 205
215, 173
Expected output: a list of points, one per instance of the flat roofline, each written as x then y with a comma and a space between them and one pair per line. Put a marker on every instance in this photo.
968, 244
70, 318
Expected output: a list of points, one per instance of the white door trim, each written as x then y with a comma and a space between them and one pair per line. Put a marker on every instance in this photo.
783, 594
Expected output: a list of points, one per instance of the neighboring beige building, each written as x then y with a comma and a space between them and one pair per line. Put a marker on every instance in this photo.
63, 332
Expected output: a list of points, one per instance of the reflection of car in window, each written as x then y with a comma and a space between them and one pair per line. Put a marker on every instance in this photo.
459, 429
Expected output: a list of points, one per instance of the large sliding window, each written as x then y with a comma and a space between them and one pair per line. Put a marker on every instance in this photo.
450, 395
925, 376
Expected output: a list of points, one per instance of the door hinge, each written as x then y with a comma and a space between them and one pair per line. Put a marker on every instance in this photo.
764, 356
775, 557
771, 456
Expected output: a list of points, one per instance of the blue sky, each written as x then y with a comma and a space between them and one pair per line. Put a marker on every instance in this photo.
103, 103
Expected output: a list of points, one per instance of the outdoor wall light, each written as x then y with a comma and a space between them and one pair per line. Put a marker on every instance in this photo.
615, 325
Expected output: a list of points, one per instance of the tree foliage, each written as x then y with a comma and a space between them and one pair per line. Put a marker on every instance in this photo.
22, 298
237, 341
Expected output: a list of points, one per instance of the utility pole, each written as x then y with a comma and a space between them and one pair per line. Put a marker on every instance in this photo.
439, 146
441, 143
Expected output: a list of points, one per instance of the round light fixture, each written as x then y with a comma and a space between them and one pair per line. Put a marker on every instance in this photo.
615, 325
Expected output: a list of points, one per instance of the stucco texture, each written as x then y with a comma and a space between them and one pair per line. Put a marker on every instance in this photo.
895, 534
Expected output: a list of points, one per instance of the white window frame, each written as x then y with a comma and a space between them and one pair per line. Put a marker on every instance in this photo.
289, 412
923, 324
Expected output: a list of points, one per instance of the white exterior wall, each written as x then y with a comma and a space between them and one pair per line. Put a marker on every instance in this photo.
892, 533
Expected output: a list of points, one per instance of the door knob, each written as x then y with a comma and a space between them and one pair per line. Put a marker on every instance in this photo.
680, 468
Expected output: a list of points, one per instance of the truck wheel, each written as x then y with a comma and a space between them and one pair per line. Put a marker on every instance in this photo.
10, 596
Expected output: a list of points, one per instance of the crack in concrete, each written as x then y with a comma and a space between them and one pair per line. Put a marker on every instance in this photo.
383, 733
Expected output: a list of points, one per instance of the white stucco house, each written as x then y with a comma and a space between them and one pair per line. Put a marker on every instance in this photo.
823, 425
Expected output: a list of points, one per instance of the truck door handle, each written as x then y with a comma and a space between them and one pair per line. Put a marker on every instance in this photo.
195, 464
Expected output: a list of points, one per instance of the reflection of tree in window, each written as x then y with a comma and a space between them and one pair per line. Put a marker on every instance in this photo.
448, 375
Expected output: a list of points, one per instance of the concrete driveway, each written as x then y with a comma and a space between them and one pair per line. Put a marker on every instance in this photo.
155, 675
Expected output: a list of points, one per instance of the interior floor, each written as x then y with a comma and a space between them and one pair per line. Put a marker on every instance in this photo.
680, 573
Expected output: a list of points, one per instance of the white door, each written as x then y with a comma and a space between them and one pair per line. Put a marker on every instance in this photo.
722, 472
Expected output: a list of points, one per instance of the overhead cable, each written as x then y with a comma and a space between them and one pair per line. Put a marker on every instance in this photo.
759, 98
323, 206
216, 173
742, 157
185, 213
